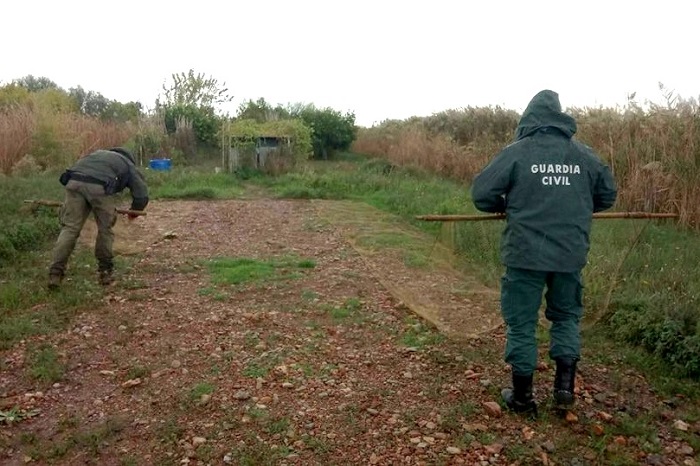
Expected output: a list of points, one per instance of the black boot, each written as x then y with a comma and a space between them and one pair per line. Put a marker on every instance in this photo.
519, 398
564, 382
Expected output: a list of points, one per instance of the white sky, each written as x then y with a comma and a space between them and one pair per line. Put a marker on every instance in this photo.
380, 58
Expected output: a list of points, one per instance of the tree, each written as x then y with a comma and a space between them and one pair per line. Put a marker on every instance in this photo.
33, 84
261, 111
332, 131
190, 99
197, 90
89, 103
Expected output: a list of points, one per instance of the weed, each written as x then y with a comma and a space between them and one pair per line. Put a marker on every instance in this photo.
202, 388
44, 364
417, 335
169, 431
137, 372
278, 426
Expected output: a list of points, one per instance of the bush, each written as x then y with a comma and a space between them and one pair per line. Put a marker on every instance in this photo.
332, 131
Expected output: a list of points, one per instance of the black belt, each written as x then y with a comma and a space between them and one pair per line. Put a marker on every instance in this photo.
85, 178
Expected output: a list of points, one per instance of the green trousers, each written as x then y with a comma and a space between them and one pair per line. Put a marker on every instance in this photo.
81, 199
521, 297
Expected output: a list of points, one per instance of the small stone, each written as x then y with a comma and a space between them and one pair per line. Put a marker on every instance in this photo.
600, 397
372, 411
680, 425
422, 445
196, 441
571, 417
549, 446
175, 364
287, 385
373, 459
430, 425
598, 429
131, 383
494, 449
241, 395
407, 375
453, 450
414, 440
620, 440
204, 399
687, 450
605, 416
228, 458
492, 408
122, 327
107, 373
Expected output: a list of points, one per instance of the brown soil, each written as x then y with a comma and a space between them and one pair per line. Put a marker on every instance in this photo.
329, 366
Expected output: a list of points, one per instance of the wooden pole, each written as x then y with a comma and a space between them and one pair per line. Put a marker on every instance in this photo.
482, 217
49, 203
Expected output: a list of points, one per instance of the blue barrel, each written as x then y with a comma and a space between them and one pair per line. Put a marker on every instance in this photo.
160, 164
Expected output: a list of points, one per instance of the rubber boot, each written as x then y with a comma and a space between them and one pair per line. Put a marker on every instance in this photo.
55, 281
519, 399
564, 382
105, 277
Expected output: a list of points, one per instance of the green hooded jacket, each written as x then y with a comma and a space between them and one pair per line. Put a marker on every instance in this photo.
116, 172
549, 185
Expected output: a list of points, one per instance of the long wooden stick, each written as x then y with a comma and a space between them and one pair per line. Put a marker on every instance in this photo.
478, 218
59, 204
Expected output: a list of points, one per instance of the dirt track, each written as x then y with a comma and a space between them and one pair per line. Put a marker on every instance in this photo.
331, 366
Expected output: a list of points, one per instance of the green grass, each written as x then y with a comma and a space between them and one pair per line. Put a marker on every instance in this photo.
236, 271
418, 335
194, 184
349, 309
202, 388
45, 365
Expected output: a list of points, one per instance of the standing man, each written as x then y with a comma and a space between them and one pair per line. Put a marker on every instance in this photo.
90, 187
548, 185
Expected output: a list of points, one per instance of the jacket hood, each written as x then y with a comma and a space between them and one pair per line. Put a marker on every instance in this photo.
124, 152
544, 111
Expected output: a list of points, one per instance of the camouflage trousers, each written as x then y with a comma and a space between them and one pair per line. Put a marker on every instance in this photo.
521, 297
82, 198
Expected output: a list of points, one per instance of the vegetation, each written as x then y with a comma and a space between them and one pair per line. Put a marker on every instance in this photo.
652, 150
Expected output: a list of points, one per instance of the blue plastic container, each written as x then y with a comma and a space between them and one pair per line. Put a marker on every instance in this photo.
160, 164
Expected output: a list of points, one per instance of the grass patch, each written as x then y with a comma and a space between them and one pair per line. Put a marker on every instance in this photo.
44, 365
418, 335
236, 271
202, 388
193, 184
91, 440
349, 309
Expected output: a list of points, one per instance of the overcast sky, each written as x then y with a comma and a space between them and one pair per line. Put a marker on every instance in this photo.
381, 59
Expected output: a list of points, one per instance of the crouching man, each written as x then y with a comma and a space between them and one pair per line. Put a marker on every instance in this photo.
91, 185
